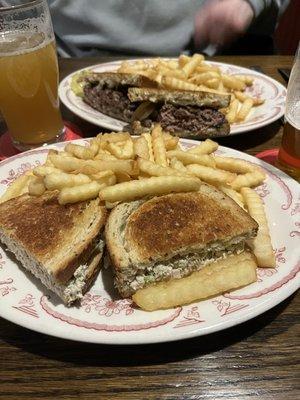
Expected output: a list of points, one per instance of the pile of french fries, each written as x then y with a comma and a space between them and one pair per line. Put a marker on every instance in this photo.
117, 168
193, 73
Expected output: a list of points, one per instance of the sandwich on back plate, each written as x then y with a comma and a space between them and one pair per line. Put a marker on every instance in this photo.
136, 99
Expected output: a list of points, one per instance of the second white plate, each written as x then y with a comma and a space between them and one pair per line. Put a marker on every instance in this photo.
272, 91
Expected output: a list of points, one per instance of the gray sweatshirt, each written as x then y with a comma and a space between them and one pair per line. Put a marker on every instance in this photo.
141, 27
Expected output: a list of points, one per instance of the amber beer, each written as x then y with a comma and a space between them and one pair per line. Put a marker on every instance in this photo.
289, 152
28, 88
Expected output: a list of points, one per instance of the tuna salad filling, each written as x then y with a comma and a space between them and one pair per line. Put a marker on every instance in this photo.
74, 289
138, 276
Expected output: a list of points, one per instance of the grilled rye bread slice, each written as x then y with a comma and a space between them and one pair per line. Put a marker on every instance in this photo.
179, 97
183, 113
107, 93
56, 243
173, 235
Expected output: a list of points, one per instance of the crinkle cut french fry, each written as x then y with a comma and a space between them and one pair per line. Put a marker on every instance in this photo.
233, 83
115, 137
191, 158
231, 115
104, 156
136, 189
122, 150
66, 164
192, 64
107, 177
261, 244
245, 109
234, 195
158, 145
36, 186
79, 151
94, 147
213, 83
211, 175
171, 72
204, 77
148, 139
203, 67
171, 142
233, 165
206, 147
177, 84
183, 60
153, 169
241, 96
79, 193
245, 78
141, 148
250, 179
176, 164
113, 165
213, 279
61, 180
43, 170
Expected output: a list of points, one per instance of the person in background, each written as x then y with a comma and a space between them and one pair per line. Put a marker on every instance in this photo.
165, 28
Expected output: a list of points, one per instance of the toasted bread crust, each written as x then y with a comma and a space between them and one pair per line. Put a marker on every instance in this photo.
93, 267
179, 97
59, 237
172, 224
115, 79
165, 224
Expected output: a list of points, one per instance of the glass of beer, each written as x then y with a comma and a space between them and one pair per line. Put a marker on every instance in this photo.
29, 74
289, 152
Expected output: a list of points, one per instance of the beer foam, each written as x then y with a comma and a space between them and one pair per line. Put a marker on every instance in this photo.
22, 42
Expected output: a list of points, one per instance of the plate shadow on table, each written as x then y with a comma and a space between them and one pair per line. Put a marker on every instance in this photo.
86, 354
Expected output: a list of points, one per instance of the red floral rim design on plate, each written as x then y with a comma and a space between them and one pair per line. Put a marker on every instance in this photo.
105, 327
189, 319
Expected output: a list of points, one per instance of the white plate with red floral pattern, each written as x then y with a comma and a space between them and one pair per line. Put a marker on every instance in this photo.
263, 86
103, 319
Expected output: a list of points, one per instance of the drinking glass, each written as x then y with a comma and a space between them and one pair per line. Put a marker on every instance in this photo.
289, 152
29, 74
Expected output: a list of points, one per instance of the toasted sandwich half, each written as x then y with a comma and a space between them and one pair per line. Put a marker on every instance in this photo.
136, 99
171, 236
107, 93
61, 245
183, 113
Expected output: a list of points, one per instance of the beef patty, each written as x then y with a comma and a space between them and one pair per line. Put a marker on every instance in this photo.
197, 121
184, 121
112, 102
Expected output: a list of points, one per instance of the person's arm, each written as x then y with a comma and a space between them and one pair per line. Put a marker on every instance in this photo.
221, 22
260, 6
